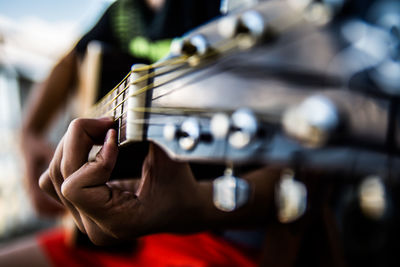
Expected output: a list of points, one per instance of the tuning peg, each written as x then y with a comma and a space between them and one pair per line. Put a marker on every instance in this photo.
244, 128
313, 121
170, 131
230, 192
247, 28
229, 26
220, 125
372, 197
253, 22
290, 197
196, 45
189, 134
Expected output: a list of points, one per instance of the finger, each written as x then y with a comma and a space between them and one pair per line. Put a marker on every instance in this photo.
82, 134
47, 186
54, 174
87, 187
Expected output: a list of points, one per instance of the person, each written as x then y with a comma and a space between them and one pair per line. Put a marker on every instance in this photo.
134, 31
139, 42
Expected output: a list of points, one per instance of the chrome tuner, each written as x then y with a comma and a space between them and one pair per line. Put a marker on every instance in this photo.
220, 125
232, 5
313, 121
228, 26
230, 192
170, 131
189, 134
248, 28
290, 197
196, 45
372, 197
253, 21
201, 44
244, 128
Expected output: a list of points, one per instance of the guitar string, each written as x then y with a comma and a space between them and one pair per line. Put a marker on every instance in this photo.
139, 91
170, 111
144, 89
144, 68
271, 117
169, 62
223, 48
226, 46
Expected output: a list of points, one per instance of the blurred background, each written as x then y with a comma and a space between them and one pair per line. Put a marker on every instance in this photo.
33, 35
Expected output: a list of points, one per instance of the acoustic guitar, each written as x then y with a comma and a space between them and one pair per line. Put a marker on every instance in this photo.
264, 85
257, 86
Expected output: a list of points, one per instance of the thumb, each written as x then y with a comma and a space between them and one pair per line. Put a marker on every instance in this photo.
87, 186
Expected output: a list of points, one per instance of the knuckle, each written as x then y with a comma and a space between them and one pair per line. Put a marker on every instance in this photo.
67, 190
76, 124
44, 181
54, 172
65, 169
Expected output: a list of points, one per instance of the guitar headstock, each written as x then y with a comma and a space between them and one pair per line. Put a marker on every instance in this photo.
258, 86
242, 29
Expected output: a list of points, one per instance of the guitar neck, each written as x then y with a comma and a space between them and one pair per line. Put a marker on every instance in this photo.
130, 101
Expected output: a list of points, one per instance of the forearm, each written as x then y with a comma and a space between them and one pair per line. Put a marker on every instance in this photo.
50, 95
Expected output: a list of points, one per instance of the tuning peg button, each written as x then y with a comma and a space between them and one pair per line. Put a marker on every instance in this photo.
244, 128
290, 197
170, 132
373, 197
313, 121
196, 45
253, 21
230, 192
220, 126
248, 28
189, 134
228, 26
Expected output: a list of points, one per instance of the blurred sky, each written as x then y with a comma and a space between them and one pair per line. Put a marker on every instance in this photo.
49, 10
34, 33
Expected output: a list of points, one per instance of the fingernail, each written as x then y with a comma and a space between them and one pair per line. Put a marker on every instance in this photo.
109, 136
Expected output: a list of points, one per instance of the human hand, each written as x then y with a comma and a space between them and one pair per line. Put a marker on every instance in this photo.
166, 198
37, 153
